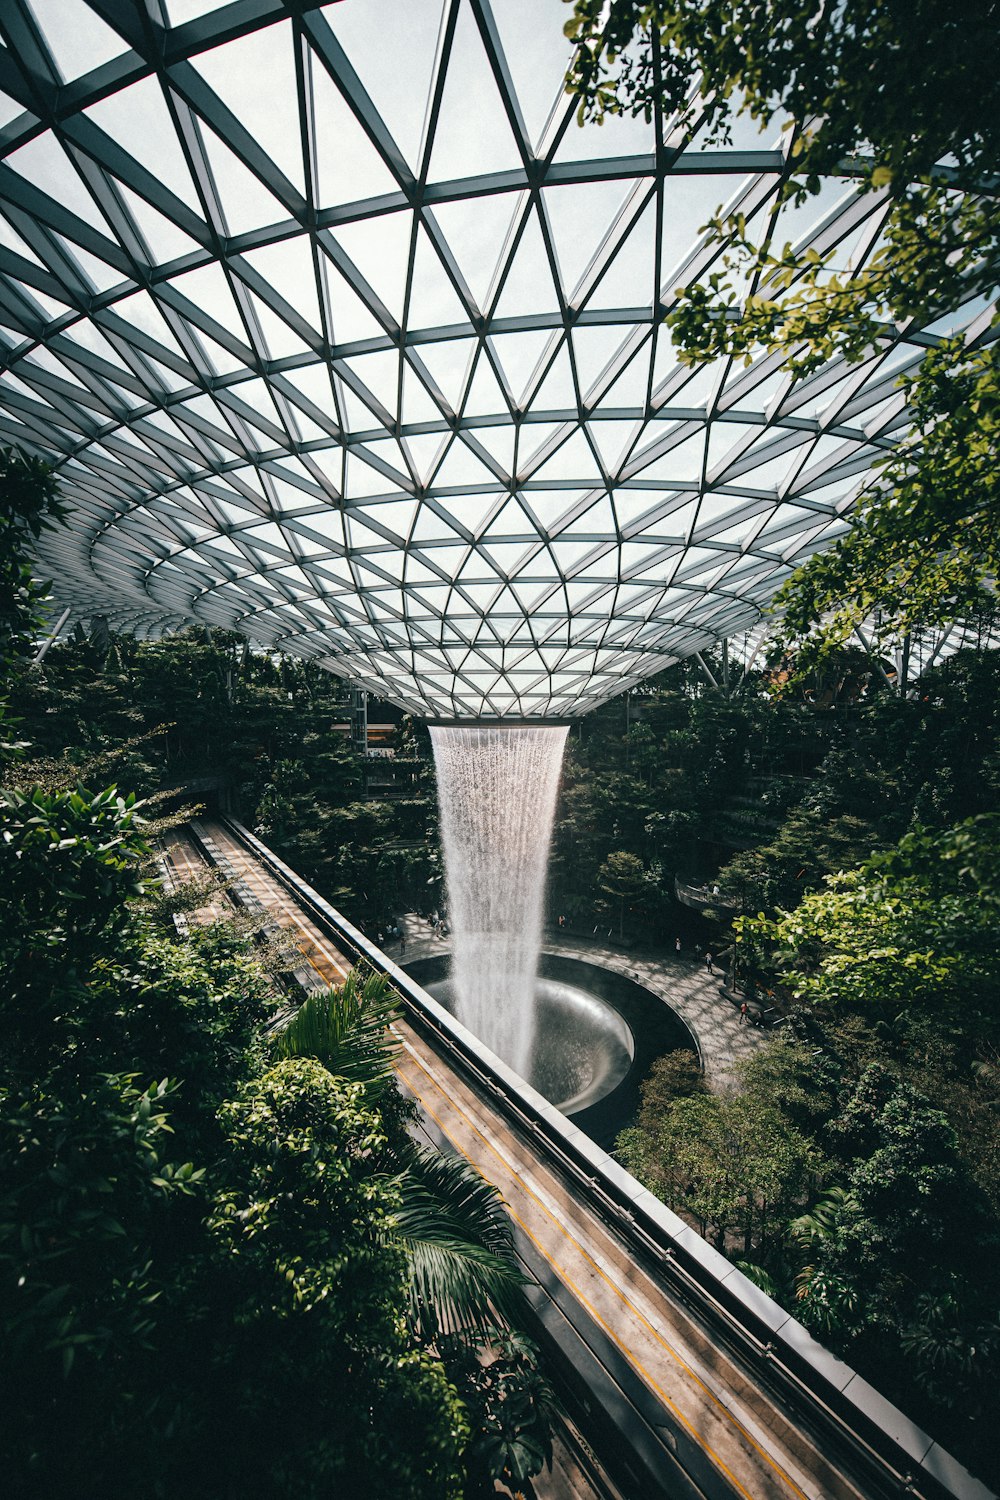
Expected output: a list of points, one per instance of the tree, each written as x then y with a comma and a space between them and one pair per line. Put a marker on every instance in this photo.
28, 505
192, 1270
888, 1248
737, 1164
622, 876
910, 934
311, 1267
459, 1262
861, 93
452, 1223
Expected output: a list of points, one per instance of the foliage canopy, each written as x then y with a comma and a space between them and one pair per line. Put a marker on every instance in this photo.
859, 92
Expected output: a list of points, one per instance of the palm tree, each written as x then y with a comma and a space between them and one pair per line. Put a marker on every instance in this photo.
828, 1302
452, 1223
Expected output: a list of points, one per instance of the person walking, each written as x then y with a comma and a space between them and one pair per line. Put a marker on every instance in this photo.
708, 963
744, 1013
677, 946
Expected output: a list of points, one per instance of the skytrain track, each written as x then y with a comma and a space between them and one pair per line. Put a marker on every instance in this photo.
685, 1380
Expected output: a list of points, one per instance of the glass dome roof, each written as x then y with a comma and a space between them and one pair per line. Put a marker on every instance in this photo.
342, 333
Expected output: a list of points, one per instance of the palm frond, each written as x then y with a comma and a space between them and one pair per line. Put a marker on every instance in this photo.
456, 1286
346, 1029
823, 1222
460, 1247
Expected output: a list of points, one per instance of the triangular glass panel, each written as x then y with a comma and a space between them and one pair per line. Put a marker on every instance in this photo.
418, 405
425, 450
165, 239
499, 442
619, 135
362, 479
511, 521
484, 398
631, 387
395, 515
78, 40
471, 511
593, 350
528, 287
629, 281
557, 391
256, 395
614, 442
13, 241
579, 216
280, 340
98, 272
314, 383
288, 267
328, 524
330, 464
434, 302
697, 387
598, 521
476, 231
519, 354
347, 165
538, 56
430, 527
411, 33
461, 466
688, 204
44, 163
254, 76
379, 373
246, 202
572, 460
569, 553
728, 441
380, 248
549, 506
505, 555
470, 91
683, 462
448, 364
352, 320
141, 311
388, 452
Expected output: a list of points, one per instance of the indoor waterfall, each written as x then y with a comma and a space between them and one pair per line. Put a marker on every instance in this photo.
497, 788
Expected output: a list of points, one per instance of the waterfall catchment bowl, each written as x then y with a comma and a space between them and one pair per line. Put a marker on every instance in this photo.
596, 1034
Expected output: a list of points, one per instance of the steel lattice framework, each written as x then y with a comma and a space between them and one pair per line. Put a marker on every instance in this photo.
342, 334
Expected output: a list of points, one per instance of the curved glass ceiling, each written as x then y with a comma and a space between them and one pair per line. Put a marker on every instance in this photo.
342, 333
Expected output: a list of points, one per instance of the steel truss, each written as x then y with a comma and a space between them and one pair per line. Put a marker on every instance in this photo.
400, 398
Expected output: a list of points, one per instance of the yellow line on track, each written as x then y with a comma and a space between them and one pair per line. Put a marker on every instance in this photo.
658, 1337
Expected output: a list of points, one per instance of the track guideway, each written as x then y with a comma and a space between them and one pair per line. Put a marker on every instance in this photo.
668, 1406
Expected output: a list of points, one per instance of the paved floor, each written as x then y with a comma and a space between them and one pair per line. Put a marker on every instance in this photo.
682, 982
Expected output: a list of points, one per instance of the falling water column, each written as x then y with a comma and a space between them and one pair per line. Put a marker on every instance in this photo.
497, 788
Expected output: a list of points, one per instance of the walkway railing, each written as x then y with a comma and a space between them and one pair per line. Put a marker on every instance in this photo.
704, 897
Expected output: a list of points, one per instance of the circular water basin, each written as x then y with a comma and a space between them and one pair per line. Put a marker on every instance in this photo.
583, 1046
597, 1034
